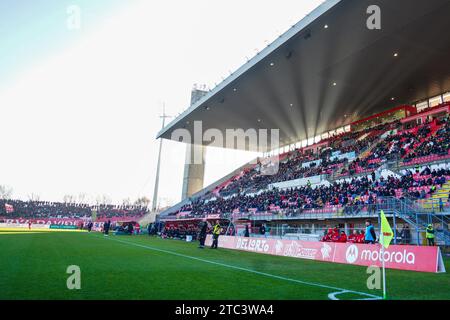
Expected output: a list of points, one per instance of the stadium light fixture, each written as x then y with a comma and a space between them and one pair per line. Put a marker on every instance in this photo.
396, 54
334, 84
325, 26
289, 55
272, 64
234, 89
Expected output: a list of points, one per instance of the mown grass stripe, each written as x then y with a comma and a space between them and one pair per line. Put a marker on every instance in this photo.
313, 284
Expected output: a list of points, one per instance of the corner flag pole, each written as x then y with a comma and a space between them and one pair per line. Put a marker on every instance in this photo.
385, 231
384, 268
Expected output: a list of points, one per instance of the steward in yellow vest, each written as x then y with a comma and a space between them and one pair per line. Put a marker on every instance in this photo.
430, 235
216, 233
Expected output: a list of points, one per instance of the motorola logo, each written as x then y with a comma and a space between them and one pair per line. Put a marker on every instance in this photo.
352, 254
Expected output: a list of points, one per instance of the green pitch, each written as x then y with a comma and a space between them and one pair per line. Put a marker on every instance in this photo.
33, 266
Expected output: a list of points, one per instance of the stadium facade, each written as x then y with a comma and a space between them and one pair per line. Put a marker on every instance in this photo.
356, 91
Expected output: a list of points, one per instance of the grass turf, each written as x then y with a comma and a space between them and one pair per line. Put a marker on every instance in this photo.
33, 266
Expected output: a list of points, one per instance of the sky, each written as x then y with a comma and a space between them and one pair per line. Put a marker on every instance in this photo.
82, 92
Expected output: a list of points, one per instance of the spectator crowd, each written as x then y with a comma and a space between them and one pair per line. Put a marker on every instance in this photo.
46, 210
250, 191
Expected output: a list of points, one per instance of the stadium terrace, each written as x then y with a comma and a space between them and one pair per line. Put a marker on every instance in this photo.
337, 184
77, 214
360, 130
354, 180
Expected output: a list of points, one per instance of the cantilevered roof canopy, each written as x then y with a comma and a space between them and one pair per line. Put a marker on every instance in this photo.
316, 78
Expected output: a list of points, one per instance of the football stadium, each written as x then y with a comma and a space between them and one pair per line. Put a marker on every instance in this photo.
348, 197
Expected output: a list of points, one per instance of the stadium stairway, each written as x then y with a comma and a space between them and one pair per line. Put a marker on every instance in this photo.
367, 152
335, 176
441, 193
418, 217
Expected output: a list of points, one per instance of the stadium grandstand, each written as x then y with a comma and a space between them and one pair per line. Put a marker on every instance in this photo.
73, 214
347, 197
363, 120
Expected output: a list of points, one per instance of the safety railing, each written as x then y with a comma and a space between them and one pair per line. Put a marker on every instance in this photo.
417, 216
406, 209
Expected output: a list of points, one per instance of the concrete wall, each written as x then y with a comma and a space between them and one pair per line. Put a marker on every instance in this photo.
194, 170
194, 174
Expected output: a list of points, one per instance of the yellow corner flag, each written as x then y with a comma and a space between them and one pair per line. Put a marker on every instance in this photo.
386, 231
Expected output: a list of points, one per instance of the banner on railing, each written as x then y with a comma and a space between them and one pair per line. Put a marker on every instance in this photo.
315, 180
309, 163
413, 258
47, 221
350, 156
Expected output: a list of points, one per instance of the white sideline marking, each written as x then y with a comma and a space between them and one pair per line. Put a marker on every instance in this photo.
331, 296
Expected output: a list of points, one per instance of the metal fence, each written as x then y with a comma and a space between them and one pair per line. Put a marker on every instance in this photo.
401, 211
